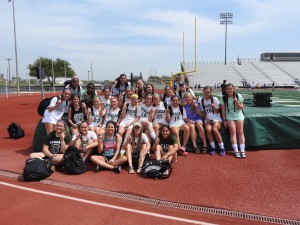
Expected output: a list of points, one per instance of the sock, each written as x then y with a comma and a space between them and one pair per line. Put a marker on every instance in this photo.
212, 144
235, 148
242, 147
221, 145
152, 134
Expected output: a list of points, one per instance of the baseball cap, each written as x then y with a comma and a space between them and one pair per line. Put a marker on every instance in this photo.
137, 124
181, 83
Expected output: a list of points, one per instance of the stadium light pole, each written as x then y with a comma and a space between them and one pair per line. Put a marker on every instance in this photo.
16, 53
226, 18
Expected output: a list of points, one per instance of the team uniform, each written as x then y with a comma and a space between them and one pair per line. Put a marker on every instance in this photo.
166, 99
160, 114
77, 115
144, 111
233, 113
56, 114
105, 101
111, 115
85, 139
177, 119
129, 116
54, 142
210, 114
96, 119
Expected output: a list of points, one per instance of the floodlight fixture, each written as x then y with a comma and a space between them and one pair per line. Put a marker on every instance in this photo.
225, 19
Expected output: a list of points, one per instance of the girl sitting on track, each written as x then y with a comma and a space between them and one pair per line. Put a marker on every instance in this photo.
56, 109
233, 117
95, 115
211, 113
194, 121
85, 141
160, 113
109, 149
137, 147
76, 114
55, 144
165, 145
176, 116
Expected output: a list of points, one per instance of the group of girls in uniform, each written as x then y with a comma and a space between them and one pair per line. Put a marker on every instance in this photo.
111, 130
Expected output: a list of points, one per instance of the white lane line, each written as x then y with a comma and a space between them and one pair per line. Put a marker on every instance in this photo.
107, 205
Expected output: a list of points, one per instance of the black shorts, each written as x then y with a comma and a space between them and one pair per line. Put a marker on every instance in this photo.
107, 158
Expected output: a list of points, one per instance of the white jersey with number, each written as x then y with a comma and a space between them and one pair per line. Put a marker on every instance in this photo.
144, 112
208, 109
160, 114
96, 119
177, 119
105, 101
130, 114
111, 114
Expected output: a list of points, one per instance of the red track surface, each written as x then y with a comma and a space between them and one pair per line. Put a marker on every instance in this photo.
266, 183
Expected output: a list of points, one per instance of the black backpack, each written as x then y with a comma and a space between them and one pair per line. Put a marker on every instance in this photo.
37, 169
15, 131
44, 104
73, 161
157, 169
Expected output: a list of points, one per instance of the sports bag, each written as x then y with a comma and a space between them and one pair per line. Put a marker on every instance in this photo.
44, 104
157, 169
73, 161
37, 169
15, 131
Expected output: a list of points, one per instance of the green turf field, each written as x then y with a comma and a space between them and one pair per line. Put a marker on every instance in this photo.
284, 97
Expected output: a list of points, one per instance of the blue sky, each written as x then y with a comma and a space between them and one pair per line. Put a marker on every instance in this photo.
143, 35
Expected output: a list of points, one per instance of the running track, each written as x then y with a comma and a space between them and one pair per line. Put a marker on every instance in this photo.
266, 183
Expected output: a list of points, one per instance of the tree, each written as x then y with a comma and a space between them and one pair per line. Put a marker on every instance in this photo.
59, 67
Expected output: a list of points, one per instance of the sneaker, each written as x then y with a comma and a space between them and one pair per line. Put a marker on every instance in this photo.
98, 168
183, 152
222, 152
213, 151
117, 169
237, 155
243, 155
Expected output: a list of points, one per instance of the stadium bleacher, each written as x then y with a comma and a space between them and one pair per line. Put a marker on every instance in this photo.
281, 73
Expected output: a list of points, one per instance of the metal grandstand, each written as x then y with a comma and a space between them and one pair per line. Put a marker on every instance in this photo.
284, 73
